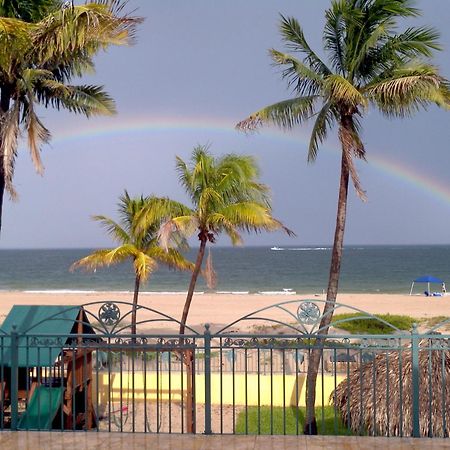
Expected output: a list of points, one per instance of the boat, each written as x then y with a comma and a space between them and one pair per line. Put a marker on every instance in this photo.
276, 248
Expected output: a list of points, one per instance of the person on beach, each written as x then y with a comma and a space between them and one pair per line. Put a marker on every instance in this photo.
443, 288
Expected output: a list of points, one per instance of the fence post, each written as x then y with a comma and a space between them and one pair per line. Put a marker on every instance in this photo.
207, 343
14, 378
415, 381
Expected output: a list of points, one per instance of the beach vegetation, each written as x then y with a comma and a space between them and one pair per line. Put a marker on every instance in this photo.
289, 421
139, 244
370, 64
357, 323
44, 45
431, 322
227, 197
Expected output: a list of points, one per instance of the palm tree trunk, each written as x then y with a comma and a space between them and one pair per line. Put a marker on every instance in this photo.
188, 354
333, 282
137, 282
5, 100
195, 273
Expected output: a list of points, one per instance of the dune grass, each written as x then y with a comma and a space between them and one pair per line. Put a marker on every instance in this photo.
372, 326
287, 421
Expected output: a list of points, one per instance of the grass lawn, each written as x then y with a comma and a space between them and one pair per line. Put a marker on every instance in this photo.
372, 326
277, 423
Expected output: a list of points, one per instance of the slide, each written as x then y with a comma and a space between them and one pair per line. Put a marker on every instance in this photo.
42, 409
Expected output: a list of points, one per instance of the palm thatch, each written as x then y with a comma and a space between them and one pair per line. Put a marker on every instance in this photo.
377, 397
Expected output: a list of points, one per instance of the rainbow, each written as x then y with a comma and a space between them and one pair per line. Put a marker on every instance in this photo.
120, 126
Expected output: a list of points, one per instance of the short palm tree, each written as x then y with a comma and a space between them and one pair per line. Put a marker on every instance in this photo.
227, 198
42, 48
138, 245
371, 64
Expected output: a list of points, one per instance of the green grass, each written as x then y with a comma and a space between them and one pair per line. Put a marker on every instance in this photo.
373, 326
279, 423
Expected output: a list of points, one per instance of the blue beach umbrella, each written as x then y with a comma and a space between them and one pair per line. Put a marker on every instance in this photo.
426, 279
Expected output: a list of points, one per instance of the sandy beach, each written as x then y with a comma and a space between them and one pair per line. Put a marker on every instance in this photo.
222, 309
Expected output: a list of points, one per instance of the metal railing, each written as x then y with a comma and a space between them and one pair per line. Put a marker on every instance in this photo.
225, 382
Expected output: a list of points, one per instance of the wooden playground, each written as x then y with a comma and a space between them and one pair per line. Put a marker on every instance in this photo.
53, 383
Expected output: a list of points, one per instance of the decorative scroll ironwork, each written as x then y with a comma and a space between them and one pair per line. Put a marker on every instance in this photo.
36, 341
109, 314
308, 313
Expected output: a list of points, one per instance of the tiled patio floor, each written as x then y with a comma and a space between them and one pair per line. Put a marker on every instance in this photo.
115, 441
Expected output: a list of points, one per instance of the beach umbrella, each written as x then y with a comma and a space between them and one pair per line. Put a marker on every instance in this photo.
377, 397
426, 279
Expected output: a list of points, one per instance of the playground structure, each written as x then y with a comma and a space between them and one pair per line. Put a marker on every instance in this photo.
48, 378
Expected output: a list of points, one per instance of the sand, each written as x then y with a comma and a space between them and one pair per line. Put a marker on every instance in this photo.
222, 309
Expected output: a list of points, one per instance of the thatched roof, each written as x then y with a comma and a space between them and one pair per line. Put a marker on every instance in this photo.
377, 397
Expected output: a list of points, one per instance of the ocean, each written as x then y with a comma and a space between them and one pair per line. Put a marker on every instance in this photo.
370, 269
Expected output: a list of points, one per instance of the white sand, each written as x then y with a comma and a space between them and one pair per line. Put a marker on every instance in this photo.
221, 309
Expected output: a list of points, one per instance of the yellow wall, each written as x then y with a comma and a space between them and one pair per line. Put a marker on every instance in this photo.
245, 391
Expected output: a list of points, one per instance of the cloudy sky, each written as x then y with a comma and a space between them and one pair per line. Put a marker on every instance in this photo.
197, 68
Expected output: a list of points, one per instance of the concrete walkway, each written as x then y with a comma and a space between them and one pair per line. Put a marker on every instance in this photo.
32, 440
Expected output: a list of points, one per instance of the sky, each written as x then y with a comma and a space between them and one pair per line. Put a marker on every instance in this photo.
196, 69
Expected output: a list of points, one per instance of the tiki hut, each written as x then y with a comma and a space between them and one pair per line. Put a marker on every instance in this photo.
377, 397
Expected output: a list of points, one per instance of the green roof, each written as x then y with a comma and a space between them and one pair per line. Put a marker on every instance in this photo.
35, 325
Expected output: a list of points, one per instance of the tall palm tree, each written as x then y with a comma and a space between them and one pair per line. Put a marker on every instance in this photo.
38, 61
371, 64
138, 244
227, 198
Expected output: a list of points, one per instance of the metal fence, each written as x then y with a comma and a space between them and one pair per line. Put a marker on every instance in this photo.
222, 381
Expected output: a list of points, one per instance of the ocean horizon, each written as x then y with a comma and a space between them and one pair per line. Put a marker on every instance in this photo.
279, 270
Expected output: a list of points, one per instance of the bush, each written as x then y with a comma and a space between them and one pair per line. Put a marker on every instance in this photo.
371, 325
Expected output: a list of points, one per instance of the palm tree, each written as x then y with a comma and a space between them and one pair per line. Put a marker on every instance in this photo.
38, 61
138, 244
227, 198
370, 64
28, 10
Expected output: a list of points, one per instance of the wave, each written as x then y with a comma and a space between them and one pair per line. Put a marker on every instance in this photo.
170, 293
65, 291
283, 292
233, 292
300, 249
106, 292
309, 249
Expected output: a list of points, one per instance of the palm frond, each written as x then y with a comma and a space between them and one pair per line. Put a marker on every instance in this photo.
37, 134
86, 99
171, 258
14, 41
294, 38
323, 123
302, 78
407, 90
115, 230
156, 210
144, 265
247, 216
85, 28
104, 257
334, 34
343, 91
183, 226
285, 114
352, 146
209, 273
9, 137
